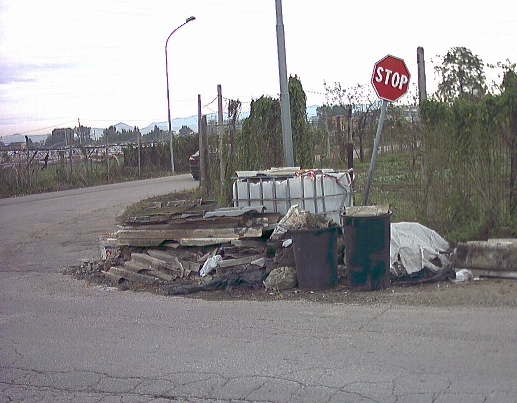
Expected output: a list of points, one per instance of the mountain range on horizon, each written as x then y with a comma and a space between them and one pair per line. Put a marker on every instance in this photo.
176, 124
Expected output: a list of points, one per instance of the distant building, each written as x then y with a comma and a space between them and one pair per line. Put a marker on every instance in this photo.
62, 136
185, 131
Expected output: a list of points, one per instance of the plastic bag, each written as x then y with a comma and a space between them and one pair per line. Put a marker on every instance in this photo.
210, 265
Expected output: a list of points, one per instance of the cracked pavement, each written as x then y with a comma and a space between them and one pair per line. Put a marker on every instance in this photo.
64, 341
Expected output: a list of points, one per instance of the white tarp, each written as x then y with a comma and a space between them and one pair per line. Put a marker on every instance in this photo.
414, 247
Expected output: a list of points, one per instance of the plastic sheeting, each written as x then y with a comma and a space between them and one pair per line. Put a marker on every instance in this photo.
414, 246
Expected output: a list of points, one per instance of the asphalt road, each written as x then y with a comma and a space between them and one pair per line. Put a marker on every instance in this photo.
64, 341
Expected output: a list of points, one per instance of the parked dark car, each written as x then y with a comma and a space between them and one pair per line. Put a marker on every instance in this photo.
194, 166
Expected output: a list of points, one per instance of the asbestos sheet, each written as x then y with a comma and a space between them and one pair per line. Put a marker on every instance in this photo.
415, 246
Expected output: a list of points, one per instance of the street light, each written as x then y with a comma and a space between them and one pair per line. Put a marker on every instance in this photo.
167, 77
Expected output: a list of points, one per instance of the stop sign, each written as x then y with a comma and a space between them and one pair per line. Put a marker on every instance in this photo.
390, 78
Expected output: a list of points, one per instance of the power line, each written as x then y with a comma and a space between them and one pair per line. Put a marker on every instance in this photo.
46, 128
210, 103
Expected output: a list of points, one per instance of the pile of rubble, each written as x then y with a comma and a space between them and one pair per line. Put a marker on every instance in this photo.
185, 247
189, 247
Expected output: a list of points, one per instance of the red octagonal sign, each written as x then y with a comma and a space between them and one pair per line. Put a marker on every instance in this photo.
390, 78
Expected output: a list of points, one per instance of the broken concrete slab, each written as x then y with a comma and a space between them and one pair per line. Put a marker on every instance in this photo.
238, 262
143, 237
149, 261
205, 241
176, 263
120, 272
496, 255
249, 243
143, 268
494, 274
163, 265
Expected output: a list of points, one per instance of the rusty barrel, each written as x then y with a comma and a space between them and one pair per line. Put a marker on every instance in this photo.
367, 247
315, 256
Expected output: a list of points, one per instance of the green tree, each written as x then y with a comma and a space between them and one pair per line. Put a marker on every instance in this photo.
461, 75
110, 133
303, 144
155, 135
234, 108
260, 143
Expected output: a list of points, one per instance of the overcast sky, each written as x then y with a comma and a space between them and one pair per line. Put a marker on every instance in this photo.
103, 61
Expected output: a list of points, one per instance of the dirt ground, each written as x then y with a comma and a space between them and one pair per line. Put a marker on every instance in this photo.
483, 292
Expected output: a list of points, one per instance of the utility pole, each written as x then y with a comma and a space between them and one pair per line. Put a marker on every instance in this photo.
139, 150
71, 150
107, 156
201, 151
221, 134
350, 145
168, 98
285, 108
422, 96
422, 91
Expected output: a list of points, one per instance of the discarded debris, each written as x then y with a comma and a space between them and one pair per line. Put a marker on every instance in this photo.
318, 191
198, 247
251, 277
282, 278
197, 225
210, 265
463, 276
492, 255
183, 247
418, 255
108, 246
297, 219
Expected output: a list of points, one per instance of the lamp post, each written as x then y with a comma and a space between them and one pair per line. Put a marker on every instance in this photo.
168, 99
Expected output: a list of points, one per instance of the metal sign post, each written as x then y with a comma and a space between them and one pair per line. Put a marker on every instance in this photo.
390, 79
374, 152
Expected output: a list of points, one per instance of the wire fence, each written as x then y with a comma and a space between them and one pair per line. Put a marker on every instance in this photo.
432, 178
38, 169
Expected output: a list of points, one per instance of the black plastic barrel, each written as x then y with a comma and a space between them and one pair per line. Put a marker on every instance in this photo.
367, 251
315, 256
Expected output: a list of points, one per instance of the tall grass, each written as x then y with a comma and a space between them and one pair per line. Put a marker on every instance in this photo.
396, 181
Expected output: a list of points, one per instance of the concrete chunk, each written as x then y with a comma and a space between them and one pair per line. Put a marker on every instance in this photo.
500, 255
129, 275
